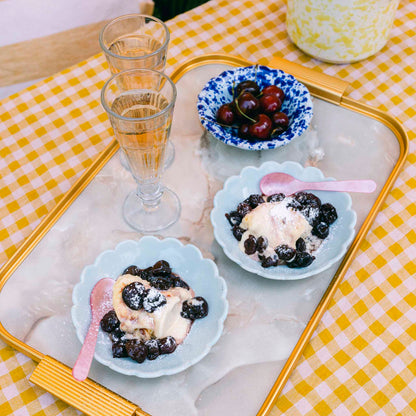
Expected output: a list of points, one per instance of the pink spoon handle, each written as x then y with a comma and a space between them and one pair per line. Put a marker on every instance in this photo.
82, 365
359, 185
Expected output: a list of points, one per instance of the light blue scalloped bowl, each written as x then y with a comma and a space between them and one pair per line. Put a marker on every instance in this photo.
187, 261
238, 188
297, 105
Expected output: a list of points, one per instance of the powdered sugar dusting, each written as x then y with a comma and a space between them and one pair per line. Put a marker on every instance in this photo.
153, 300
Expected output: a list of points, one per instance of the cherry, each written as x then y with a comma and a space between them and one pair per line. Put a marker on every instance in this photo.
110, 322
238, 232
225, 114
161, 268
280, 120
270, 103
243, 131
261, 244
167, 345
248, 104
262, 128
328, 213
249, 86
250, 245
274, 90
194, 308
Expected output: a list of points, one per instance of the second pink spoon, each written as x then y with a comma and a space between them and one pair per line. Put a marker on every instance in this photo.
279, 182
101, 301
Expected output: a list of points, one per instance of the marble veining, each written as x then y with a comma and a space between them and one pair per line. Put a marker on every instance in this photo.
265, 317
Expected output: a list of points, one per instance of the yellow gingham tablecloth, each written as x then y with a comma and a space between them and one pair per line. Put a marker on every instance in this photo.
361, 360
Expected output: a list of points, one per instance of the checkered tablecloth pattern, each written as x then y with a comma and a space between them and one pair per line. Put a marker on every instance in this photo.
361, 360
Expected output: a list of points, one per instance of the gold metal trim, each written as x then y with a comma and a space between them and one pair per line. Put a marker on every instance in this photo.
87, 396
321, 86
327, 87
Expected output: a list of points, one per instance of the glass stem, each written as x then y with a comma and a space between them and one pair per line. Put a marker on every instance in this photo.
150, 194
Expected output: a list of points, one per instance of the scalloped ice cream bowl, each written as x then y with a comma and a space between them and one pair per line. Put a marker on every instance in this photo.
187, 261
237, 188
219, 90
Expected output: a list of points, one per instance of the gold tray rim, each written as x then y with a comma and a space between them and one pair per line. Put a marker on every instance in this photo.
321, 86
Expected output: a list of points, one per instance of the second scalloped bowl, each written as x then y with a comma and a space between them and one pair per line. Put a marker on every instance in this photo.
238, 188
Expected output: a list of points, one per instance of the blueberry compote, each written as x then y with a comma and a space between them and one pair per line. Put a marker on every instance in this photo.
149, 296
281, 230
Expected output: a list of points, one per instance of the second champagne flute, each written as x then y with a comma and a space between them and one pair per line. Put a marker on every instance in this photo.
139, 103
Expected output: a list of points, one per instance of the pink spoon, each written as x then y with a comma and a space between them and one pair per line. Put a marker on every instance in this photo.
279, 182
101, 302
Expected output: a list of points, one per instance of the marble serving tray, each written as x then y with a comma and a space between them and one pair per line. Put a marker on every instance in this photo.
269, 322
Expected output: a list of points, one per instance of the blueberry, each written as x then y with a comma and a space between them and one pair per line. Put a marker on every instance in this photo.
328, 213
238, 232
269, 262
161, 268
285, 253
194, 308
153, 300
276, 198
152, 349
321, 230
254, 200
300, 244
302, 259
136, 350
243, 209
133, 270
250, 245
119, 350
261, 244
133, 295
234, 218
167, 345
109, 322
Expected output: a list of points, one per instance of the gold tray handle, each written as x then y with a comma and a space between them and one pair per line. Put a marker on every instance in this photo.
330, 88
87, 396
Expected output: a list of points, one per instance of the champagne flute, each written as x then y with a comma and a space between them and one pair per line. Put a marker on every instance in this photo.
136, 41
139, 104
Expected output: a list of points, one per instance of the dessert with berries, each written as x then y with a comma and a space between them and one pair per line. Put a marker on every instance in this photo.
153, 312
282, 230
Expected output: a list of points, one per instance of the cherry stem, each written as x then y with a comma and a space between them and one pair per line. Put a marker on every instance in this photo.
220, 124
277, 131
244, 115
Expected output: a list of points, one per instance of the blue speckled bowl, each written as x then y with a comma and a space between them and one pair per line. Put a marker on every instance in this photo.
237, 188
297, 105
187, 261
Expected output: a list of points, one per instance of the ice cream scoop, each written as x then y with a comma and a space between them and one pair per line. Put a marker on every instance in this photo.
101, 303
279, 182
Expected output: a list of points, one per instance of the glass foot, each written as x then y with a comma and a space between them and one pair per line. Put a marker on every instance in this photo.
148, 220
169, 156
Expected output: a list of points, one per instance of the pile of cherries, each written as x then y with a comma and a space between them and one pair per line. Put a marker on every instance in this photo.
255, 112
